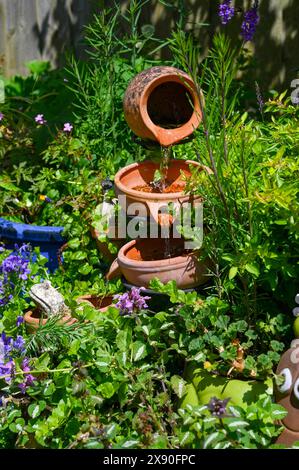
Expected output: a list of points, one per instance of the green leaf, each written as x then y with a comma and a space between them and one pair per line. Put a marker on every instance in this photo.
212, 438
237, 424
232, 272
179, 385
278, 412
139, 350
9, 186
106, 389
85, 269
186, 438
74, 243
79, 255
123, 339
252, 269
129, 444
49, 388
36, 408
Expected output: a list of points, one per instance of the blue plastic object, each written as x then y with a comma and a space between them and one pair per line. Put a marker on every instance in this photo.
49, 239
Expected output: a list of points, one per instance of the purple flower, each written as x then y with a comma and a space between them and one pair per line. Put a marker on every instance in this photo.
25, 365
67, 127
1, 116
218, 407
226, 11
29, 378
20, 320
250, 22
7, 370
39, 119
16, 263
24, 250
132, 301
6, 345
19, 344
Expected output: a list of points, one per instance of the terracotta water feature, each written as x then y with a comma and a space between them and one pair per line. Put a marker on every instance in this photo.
161, 104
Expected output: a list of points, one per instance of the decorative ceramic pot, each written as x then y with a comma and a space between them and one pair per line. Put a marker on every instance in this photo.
203, 385
139, 261
287, 394
33, 319
100, 303
150, 203
162, 104
48, 239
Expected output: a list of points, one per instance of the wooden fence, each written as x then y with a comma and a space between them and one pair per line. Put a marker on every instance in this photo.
44, 29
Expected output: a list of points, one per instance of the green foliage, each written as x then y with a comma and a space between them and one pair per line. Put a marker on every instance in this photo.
251, 199
110, 381
252, 428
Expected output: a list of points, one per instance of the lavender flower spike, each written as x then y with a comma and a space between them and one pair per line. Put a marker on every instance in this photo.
226, 11
250, 22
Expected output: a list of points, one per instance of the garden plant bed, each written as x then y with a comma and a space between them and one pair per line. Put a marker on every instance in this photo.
170, 323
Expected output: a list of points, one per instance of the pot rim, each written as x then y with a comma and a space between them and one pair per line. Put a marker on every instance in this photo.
163, 264
28, 318
155, 196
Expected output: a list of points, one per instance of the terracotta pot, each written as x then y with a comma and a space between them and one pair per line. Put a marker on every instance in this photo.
96, 301
103, 246
140, 174
161, 104
186, 269
33, 320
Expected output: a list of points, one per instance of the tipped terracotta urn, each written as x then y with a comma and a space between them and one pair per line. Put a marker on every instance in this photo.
162, 104
142, 174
